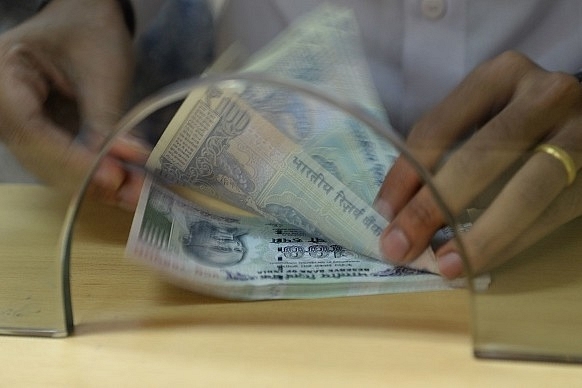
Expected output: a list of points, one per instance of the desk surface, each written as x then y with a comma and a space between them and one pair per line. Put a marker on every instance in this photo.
133, 329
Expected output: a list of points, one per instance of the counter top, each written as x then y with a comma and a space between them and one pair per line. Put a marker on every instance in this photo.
134, 329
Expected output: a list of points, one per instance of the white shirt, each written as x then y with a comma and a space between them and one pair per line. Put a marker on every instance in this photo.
418, 50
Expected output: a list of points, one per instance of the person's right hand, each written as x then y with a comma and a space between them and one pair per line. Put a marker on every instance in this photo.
69, 67
482, 143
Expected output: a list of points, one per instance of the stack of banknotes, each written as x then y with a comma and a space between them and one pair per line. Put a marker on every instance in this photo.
260, 191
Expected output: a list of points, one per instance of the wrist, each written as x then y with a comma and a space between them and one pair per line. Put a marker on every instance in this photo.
125, 7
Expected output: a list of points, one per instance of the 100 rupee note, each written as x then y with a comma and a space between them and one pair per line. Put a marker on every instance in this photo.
237, 255
282, 155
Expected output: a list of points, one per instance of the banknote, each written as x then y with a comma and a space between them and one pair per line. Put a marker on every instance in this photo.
267, 191
242, 256
324, 49
283, 155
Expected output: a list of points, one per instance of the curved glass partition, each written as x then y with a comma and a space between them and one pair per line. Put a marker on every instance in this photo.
257, 188
263, 184
533, 309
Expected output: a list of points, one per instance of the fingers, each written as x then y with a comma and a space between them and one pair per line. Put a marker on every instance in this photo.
519, 113
566, 207
509, 85
526, 209
80, 51
123, 155
129, 192
482, 93
403, 176
126, 190
518, 205
44, 146
488, 248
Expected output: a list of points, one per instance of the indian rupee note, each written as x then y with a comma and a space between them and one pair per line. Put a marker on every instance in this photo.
287, 158
324, 50
245, 257
227, 150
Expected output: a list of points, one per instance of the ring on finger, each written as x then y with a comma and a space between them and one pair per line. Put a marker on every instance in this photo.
561, 155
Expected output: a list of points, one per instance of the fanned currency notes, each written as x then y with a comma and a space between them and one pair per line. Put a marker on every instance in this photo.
228, 150
306, 171
281, 154
245, 257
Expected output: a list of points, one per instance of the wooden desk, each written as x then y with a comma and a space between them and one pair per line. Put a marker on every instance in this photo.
133, 329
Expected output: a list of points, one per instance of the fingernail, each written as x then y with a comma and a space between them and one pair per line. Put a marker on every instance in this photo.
127, 199
384, 208
395, 245
450, 265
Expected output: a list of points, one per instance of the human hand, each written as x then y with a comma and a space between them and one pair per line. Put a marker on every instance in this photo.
69, 67
516, 105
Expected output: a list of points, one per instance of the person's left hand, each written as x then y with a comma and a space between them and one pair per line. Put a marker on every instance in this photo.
64, 77
516, 105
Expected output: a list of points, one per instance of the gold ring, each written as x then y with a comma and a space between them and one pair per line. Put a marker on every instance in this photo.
560, 154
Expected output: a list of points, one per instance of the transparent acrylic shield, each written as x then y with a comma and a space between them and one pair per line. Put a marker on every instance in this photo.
280, 176
268, 155
34, 281
533, 309
530, 311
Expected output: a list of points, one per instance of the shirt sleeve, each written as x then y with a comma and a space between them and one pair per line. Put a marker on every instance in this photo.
145, 11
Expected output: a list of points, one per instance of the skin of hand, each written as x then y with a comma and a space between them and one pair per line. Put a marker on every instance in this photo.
69, 67
516, 105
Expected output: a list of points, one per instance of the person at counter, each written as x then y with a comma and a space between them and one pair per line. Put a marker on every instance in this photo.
483, 91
